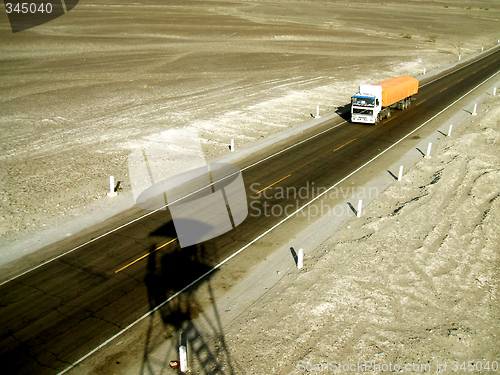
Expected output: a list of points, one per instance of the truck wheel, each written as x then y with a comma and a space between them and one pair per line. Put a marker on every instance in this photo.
388, 114
408, 102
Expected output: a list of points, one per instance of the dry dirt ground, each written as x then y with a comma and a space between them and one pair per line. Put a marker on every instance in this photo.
414, 281
79, 93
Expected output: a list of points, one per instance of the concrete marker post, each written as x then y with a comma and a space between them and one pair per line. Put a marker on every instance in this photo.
428, 155
183, 358
494, 91
300, 259
112, 192
360, 205
429, 147
317, 111
400, 174
232, 145
459, 57
474, 112
449, 130
424, 70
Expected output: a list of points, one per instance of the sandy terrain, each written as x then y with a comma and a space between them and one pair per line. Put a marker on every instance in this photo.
79, 93
414, 281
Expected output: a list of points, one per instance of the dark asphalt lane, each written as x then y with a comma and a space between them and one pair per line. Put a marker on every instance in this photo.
54, 315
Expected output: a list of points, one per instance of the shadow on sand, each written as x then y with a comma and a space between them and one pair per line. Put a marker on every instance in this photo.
344, 112
178, 316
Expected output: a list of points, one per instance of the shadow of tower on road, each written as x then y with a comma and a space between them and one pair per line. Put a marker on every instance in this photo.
178, 320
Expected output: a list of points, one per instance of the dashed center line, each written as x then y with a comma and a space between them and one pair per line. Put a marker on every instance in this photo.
145, 255
274, 183
345, 144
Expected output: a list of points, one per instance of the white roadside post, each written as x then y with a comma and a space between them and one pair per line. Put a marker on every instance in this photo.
112, 192
459, 57
317, 111
474, 112
424, 70
360, 205
400, 175
449, 130
232, 145
428, 155
182, 358
300, 259
494, 91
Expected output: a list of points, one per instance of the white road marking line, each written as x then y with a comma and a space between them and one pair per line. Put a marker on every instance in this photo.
454, 71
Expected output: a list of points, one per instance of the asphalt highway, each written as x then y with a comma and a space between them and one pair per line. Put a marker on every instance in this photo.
55, 314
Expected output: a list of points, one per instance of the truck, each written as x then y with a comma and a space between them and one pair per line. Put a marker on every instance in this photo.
374, 102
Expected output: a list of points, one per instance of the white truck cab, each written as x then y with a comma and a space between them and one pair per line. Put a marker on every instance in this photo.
366, 104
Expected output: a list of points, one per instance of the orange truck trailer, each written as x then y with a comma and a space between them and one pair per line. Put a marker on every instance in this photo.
374, 102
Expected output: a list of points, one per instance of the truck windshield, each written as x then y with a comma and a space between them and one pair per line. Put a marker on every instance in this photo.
361, 111
363, 101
